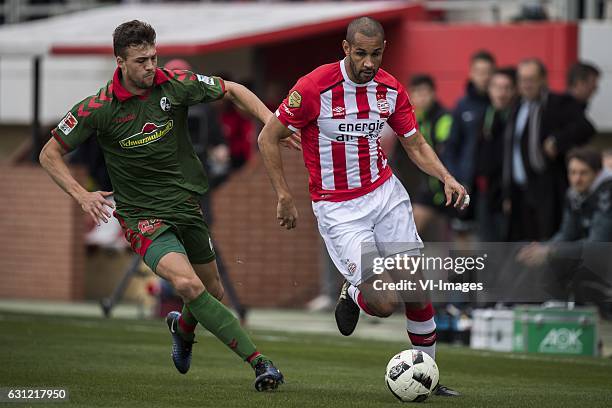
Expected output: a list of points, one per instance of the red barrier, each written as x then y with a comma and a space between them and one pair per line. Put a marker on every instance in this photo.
444, 50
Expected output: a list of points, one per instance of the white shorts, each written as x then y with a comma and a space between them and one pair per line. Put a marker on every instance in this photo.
379, 223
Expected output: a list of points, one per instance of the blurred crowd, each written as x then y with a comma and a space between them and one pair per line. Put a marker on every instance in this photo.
507, 140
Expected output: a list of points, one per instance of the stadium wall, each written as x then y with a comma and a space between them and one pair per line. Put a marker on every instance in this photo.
43, 254
269, 265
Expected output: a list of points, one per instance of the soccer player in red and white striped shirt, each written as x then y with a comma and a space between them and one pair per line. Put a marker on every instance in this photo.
341, 109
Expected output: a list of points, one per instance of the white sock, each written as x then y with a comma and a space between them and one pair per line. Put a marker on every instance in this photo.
422, 335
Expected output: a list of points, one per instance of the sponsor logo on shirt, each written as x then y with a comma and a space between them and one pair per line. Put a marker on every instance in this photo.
165, 104
286, 109
67, 124
348, 131
150, 133
295, 99
338, 111
125, 119
206, 79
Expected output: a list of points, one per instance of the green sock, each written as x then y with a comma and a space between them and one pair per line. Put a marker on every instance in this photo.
217, 319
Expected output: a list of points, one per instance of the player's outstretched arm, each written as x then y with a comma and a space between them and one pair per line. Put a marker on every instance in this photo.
269, 139
421, 153
247, 101
93, 203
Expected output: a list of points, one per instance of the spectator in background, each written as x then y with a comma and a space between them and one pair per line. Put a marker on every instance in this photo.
434, 123
206, 137
582, 82
607, 159
545, 126
239, 132
461, 145
572, 253
490, 155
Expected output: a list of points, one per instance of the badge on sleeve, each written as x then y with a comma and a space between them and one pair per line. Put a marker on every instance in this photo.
206, 79
68, 123
295, 99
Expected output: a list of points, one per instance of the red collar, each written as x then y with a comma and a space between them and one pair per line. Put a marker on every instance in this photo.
123, 94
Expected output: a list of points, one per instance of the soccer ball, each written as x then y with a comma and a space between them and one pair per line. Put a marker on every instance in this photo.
412, 375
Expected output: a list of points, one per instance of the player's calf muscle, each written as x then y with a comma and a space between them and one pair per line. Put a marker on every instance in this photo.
216, 289
381, 303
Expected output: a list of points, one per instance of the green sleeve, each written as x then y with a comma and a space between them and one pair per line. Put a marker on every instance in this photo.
192, 88
77, 126
443, 128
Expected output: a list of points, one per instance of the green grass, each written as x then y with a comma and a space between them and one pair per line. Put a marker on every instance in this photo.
122, 363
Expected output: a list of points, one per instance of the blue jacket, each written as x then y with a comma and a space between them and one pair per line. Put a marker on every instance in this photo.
460, 149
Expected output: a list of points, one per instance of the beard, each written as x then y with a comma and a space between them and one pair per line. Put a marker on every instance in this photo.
362, 75
142, 83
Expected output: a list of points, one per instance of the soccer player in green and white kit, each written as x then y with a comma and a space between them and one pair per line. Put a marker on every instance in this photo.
140, 120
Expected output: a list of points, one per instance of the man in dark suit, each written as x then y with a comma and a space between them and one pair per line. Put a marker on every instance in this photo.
545, 125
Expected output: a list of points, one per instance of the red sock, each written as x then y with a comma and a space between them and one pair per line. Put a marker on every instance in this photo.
420, 315
363, 305
421, 328
357, 297
184, 326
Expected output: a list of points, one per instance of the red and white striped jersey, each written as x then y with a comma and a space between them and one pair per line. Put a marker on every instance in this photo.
341, 123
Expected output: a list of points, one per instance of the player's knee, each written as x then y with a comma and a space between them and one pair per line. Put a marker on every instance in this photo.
188, 287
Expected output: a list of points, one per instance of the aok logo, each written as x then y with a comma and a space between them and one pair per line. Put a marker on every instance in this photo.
562, 341
150, 133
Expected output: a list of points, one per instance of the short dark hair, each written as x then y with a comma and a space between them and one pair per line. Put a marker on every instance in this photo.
588, 155
482, 55
538, 62
581, 71
509, 72
422, 79
364, 25
132, 33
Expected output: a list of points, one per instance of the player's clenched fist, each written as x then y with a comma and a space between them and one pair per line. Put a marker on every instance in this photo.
286, 213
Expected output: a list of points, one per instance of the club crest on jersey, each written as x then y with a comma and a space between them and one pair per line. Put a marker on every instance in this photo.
383, 105
350, 265
295, 99
149, 226
68, 123
150, 133
165, 104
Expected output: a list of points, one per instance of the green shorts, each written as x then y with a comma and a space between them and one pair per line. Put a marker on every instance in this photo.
153, 238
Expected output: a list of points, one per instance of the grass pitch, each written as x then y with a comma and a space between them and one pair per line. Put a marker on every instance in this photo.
125, 363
